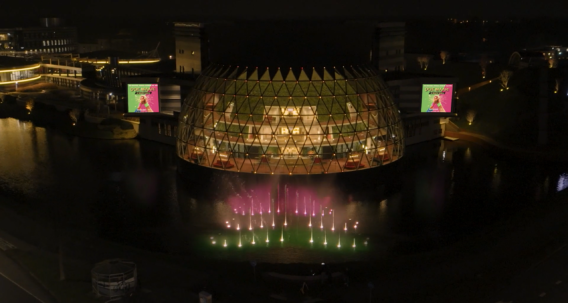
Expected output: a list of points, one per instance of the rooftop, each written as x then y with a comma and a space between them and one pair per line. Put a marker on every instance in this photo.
13, 62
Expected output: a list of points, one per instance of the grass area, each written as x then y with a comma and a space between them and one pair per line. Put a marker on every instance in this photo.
45, 267
108, 129
509, 116
37, 87
468, 73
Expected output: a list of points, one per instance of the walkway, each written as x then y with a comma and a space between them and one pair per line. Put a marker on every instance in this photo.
544, 154
16, 284
475, 86
546, 282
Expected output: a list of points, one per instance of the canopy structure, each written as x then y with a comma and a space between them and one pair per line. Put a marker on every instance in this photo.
285, 121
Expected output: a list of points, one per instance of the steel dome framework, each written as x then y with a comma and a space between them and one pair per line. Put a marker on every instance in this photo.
294, 122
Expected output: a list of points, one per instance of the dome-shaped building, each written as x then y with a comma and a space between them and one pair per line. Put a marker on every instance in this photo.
290, 121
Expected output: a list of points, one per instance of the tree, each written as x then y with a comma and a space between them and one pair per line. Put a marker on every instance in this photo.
420, 60
74, 114
445, 55
427, 61
552, 62
424, 61
30, 104
470, 116
504, 77
483, 62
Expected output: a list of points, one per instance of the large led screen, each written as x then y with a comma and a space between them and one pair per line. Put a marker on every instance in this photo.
436, 98
143, 98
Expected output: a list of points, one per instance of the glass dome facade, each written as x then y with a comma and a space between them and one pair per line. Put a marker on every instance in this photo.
275, 121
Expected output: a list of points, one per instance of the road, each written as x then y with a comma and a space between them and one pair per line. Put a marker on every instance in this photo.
16, 284
13, 293
544, 282
475, 86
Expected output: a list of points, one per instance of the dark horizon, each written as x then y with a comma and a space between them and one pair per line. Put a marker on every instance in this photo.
201, 10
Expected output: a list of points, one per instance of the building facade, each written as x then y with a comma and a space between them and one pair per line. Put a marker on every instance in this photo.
17, 71
49, 38
407, 94
191, 47
388, 47
290, 121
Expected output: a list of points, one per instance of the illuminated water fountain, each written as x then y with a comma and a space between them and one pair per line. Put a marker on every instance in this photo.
273, 225
333, 220
299, 232
296, 202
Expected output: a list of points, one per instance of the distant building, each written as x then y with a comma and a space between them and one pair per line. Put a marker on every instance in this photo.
102, 44
407, 94
191, 47
387, 54
50, 37
17, 71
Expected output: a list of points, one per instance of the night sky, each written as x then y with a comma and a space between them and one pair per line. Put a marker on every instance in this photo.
281, 9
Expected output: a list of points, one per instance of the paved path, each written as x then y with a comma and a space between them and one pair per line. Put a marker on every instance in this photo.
475, 86
13, 293
16, 284
546, 282
539, 154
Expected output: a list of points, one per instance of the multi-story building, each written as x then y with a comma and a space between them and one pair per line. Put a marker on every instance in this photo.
191, 47
388, 46
49, 38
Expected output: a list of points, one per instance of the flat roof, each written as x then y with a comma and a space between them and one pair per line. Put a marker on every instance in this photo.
392, 76
104, 54
13, 62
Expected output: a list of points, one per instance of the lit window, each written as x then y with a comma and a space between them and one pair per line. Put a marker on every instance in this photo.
285, 131
289, 111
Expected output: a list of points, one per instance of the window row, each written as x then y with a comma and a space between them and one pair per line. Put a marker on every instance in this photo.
51, 50
55, 42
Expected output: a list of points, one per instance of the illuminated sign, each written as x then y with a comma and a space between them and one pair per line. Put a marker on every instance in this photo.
436, 98
143, 98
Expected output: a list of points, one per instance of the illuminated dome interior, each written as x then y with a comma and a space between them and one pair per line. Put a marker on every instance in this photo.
275, 121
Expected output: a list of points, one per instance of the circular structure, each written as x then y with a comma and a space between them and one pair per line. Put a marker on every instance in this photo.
515, 60
293, 121
14, 71
114, 278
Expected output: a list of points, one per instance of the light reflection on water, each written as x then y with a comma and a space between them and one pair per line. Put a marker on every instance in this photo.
273, 220
562, 182
129, 191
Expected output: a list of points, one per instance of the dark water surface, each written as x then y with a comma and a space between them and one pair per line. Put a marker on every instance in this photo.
129, 191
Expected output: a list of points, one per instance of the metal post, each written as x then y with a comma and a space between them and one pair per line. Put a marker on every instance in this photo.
253, 264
